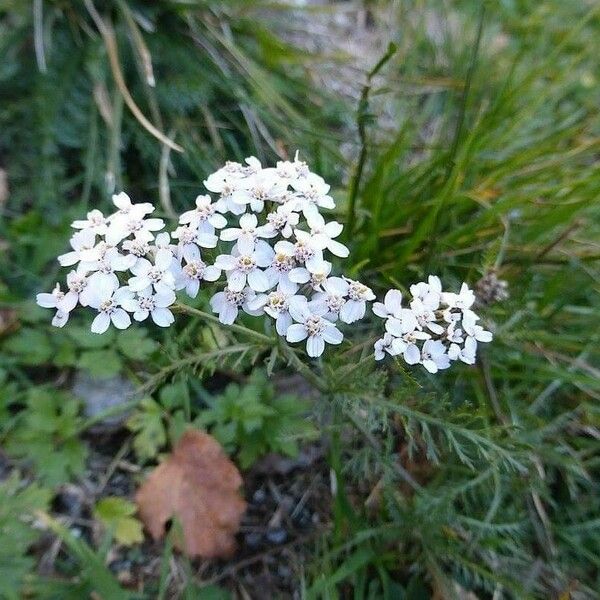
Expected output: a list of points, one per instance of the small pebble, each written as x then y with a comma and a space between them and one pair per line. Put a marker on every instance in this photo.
253, 539
259, 496
277, 535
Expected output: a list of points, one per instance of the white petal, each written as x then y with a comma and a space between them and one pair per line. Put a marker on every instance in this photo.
299, 309
141, 315
163, 317
228, 314
236, 280
296, 333
120, 319
100, 323
283, 323
338, 249
211, 273
258, 281
393, 301
332, 335
46, 300
353, 310
315, 346
412, 355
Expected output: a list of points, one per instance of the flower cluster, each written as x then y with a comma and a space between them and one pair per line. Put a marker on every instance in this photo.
268, 219
276, 264
436, 328
120, 267
264, 236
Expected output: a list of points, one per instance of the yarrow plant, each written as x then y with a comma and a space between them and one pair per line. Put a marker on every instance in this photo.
270, 243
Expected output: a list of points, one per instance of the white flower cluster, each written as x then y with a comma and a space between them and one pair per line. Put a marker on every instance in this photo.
106, 251
270, 221
275, 266
437, 327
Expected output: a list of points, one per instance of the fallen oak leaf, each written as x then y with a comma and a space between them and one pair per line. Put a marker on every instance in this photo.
199, 486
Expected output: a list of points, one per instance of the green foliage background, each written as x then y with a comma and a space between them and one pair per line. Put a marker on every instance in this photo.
488, 475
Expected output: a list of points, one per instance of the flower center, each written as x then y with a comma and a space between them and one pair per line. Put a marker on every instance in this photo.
146, 303
282, 262
357, 290
237, 298
302, 252
136, 247
78, 284
246, 264
277, 301
134, 225
314, 325
335, 303
194, 269
107, 306
155, 274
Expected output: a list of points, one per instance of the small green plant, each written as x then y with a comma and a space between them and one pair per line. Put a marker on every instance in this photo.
253, 419
46, 433
18, 503
116, 514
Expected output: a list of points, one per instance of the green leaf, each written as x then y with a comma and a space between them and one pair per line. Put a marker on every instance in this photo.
147, 424
117, 516
17, 507
134, 343
101, 363
32, 346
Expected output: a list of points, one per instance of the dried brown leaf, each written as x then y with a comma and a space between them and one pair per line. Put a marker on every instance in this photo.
199, 486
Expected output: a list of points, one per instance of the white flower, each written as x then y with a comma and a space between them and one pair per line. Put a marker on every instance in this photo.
429, 293
191, 237
282, 221
463, 300
466, 354
84, 249
475, 331
132, 223
311, 327
136, 247
95, 222
391, 305
79, 291
426, 317
226, 182
280, 268
188, 276
257, 189
434, 356
126, 207
303, 253
246, 234
104, 269
276, 305
322, 234
228, 302
147, 304
242, 268
54, 300
204, 217
332, 299
315, 276
291, 171
313, 193
107, 302
355, 307
157, 275
385, 344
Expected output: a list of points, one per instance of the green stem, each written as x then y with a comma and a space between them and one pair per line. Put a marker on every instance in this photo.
184, 308
362, 116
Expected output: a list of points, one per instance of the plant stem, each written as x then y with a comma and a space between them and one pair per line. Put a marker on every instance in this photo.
362, 116
190, 310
